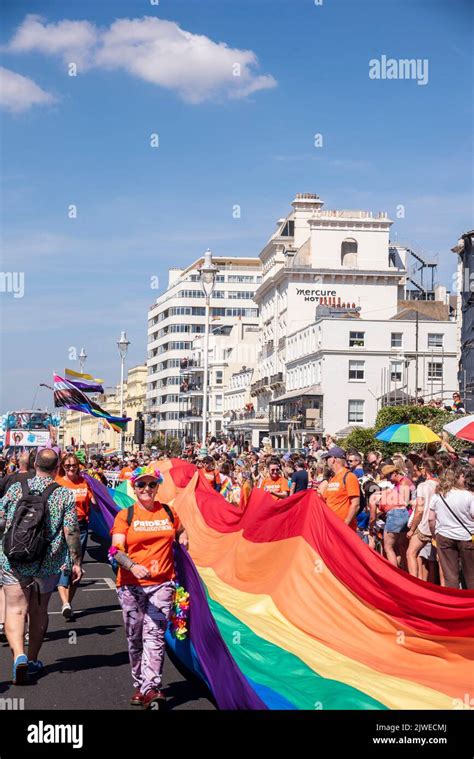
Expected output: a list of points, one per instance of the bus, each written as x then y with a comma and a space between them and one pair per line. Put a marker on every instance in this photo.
27, 429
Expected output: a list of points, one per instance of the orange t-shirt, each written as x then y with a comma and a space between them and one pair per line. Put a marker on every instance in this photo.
339, 493
82, 495
275, 486
213, 477
125, 473
149, 542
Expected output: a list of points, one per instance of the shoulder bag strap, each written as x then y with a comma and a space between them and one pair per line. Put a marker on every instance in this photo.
455, 515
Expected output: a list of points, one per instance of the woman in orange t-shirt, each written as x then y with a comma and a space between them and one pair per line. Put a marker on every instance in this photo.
73, 480
142, 546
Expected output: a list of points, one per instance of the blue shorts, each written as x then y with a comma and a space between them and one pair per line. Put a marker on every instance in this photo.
396, 520
65, 578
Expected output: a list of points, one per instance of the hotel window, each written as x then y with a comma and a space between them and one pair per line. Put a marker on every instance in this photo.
356, 370
356, 339
219, 377
435, 371
435, 340
396, 371
356, 412
218, 402
396, 339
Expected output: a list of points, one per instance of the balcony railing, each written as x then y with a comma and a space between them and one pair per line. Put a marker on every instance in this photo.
189, 364
194, 413
276, 379
190, 388
259, 386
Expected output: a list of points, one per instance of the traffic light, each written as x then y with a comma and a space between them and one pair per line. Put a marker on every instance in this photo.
139, 431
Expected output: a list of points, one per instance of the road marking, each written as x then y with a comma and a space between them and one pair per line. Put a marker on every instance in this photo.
110, 584
78, 612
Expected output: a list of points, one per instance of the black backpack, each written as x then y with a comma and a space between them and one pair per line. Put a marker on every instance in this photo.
25, 540
164, 505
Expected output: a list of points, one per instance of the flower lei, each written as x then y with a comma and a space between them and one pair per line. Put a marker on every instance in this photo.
179, 613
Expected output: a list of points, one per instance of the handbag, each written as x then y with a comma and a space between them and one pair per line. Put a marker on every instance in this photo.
471, 535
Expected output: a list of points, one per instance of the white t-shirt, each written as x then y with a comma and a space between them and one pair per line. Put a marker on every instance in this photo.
461, 502
426, 491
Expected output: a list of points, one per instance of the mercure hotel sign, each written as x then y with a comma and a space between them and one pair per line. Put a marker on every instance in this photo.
323, 297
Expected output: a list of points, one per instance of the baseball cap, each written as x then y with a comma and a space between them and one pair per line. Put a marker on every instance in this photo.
338, 453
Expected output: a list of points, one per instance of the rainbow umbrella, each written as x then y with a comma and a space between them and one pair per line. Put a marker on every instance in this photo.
407, 433
462, 428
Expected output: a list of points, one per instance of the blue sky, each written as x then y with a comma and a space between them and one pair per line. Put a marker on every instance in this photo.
85, 140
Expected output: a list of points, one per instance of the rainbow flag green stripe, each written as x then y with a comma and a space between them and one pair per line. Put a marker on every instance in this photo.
259, 659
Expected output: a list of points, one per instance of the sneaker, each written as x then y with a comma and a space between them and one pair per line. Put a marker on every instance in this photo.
66, 611
154, 698
137, 698
35, 667
27, 638
20, 670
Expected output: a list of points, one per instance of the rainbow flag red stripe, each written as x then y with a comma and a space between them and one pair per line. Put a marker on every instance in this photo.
314, 618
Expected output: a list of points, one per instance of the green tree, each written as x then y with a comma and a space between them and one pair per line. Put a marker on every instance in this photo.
364, 440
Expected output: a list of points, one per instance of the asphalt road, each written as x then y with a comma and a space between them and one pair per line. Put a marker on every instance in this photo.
86, 661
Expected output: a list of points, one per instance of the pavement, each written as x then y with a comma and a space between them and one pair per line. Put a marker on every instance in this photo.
86, 661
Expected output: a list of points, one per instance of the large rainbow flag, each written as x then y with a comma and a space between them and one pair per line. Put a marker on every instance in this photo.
291, 610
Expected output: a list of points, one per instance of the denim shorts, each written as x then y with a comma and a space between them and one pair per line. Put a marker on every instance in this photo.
44, 584
396, 520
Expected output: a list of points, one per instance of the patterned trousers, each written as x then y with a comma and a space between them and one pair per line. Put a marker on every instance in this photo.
146, 610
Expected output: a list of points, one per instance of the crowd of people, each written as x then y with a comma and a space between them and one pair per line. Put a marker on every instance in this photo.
416, 508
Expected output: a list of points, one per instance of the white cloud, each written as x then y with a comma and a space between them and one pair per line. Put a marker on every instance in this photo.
18, 93
74, 41
162, 53
151, 49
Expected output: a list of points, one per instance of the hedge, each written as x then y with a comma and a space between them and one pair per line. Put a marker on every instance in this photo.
363, 439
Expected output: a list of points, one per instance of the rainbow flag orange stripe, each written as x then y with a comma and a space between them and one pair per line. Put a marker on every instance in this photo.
314, 618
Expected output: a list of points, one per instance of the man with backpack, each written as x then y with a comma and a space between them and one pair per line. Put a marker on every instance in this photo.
41, 539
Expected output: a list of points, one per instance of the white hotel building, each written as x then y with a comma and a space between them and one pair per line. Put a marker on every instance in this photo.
340, 335
175, 321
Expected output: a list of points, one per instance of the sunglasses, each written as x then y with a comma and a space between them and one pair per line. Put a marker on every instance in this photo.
71, 466
143, 485
273, 471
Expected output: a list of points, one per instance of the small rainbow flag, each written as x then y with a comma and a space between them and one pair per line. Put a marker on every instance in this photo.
69, 396
84, 382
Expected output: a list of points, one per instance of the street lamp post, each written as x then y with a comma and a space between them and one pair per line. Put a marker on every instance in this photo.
208, 272
122, 344
82, 361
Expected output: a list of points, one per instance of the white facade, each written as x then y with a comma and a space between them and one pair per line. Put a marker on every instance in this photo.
357, 361
237, 396
326, 273
177, 319
230, 348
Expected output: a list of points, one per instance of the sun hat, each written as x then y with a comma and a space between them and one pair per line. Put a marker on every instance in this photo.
146, 471
388, 469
